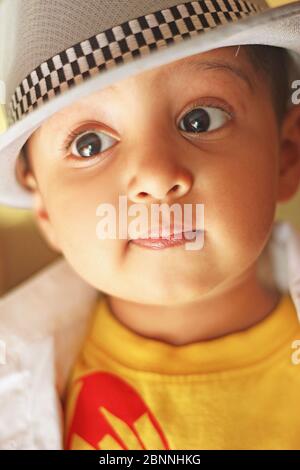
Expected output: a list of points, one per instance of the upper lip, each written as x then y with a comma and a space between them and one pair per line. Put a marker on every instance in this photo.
163, 232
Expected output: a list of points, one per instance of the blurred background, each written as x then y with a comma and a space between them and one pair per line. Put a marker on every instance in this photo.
23, 250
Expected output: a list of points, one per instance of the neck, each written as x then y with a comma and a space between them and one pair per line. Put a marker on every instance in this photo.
240, 304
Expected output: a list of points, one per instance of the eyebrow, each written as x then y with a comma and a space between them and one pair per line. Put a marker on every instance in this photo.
199, 65
188, 65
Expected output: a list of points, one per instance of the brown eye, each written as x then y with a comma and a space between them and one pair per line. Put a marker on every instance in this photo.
204, 119
89, 144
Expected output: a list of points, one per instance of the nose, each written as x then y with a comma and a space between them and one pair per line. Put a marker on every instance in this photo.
159, 176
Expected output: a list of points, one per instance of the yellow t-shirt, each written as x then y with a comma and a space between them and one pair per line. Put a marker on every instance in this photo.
240, 391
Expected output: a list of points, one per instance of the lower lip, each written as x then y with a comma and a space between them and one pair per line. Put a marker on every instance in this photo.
161, 243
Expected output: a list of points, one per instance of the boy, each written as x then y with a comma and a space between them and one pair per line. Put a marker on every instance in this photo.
187, 349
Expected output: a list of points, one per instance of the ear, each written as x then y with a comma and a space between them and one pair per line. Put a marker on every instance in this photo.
289, 158
28, 180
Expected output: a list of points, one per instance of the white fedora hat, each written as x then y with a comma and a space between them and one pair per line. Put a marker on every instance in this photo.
62, 51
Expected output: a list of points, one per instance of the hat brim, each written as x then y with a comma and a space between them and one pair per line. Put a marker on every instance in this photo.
275, 27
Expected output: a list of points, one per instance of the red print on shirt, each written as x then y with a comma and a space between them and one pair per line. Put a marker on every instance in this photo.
109, 410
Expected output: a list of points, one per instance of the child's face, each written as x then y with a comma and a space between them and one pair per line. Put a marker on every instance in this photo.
233, 170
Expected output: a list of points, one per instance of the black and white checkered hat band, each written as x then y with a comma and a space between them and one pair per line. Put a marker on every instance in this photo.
119, 44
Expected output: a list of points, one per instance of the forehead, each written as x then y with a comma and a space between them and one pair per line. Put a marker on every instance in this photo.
231, 60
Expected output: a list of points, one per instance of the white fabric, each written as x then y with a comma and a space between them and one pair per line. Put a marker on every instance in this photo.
43, 323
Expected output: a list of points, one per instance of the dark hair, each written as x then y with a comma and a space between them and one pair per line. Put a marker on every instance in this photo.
272, 62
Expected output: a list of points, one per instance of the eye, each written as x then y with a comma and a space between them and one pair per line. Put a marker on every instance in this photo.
204, 119
88, 144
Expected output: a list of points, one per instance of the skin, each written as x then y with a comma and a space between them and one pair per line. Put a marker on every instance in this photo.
239, 171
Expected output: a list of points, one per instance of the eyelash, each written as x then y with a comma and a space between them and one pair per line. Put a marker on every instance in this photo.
70, 137
207, 103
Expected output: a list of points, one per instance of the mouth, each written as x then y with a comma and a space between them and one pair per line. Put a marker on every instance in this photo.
174, 239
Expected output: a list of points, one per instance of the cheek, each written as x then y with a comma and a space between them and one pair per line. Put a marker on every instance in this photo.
72, 211
240, 198
72, 197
